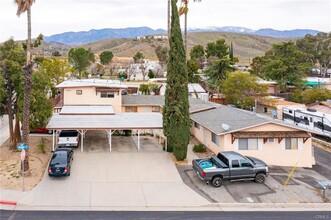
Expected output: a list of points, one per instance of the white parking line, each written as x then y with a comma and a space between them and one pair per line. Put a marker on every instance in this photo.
249, 199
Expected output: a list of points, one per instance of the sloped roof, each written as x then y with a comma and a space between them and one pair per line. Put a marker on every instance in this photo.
142, 100
235, 118
121, 121
195, 87
196, 105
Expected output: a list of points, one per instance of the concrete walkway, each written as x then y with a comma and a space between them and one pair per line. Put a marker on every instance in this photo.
115, 180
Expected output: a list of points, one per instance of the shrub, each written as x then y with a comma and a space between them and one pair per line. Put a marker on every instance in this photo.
42, 145
151, 74
122, 75
127, 132
199, 148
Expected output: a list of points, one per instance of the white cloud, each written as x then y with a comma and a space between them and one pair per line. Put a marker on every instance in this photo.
57, 16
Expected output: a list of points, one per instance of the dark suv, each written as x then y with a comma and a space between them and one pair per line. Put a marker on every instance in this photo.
60, 164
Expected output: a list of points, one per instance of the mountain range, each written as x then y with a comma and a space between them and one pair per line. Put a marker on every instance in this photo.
81, 37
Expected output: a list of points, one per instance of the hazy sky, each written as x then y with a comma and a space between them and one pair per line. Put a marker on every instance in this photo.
57, 16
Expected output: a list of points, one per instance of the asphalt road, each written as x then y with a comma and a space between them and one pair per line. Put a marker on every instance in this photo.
81, 215
323, 159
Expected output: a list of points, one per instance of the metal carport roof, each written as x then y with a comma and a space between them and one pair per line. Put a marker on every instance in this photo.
119, 121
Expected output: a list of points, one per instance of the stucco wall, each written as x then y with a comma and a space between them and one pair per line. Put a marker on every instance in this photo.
272, 153
271, 89
143, 109
204, 136
90, 97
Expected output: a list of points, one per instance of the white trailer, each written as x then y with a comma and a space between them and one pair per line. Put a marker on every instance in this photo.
317, 122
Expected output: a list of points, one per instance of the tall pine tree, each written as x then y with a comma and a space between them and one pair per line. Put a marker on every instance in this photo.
176, 116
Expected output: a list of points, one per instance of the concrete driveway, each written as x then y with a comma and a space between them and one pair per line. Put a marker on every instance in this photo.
122, 178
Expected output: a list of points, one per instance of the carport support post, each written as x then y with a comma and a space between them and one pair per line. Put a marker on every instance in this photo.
82, 134
109, 140
53, 140
110, 132
82, 143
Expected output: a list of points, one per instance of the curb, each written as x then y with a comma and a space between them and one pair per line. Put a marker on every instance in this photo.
4, 202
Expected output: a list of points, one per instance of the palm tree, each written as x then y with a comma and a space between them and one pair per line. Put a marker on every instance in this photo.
169, 14
184, 10
25, 6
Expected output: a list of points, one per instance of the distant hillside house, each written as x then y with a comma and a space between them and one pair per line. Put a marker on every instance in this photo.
272, 85
273, 104
160, 37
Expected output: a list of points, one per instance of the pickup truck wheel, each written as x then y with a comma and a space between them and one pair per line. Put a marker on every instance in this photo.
260, 178
217, 181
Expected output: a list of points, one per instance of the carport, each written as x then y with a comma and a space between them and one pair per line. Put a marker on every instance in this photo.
108, 122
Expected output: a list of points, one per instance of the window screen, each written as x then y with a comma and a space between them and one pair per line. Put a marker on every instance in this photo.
291, 143
248, 144
214, 138
196, 125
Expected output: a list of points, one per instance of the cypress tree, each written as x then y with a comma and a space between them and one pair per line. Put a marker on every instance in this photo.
176, 116
231, 52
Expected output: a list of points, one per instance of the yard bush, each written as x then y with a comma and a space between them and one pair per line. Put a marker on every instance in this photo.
199, 148
42, 145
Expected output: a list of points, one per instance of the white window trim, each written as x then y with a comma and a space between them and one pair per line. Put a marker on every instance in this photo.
282, 144
300, 143
259, 144
236, 144
217, 139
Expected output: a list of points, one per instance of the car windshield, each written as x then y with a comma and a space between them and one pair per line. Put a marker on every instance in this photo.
68, 133
250, 159
59, 158
223, 159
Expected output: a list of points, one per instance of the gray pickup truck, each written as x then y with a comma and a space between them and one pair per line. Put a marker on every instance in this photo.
229, 165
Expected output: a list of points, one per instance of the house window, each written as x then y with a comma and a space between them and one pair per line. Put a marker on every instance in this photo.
131, 109
79, 92
271, 140
214, 138
291, 143
196, 125
107, 95
247, 144
155, 108
265, 109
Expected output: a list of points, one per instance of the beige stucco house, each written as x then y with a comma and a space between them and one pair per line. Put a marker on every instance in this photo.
225, 128
99, 105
